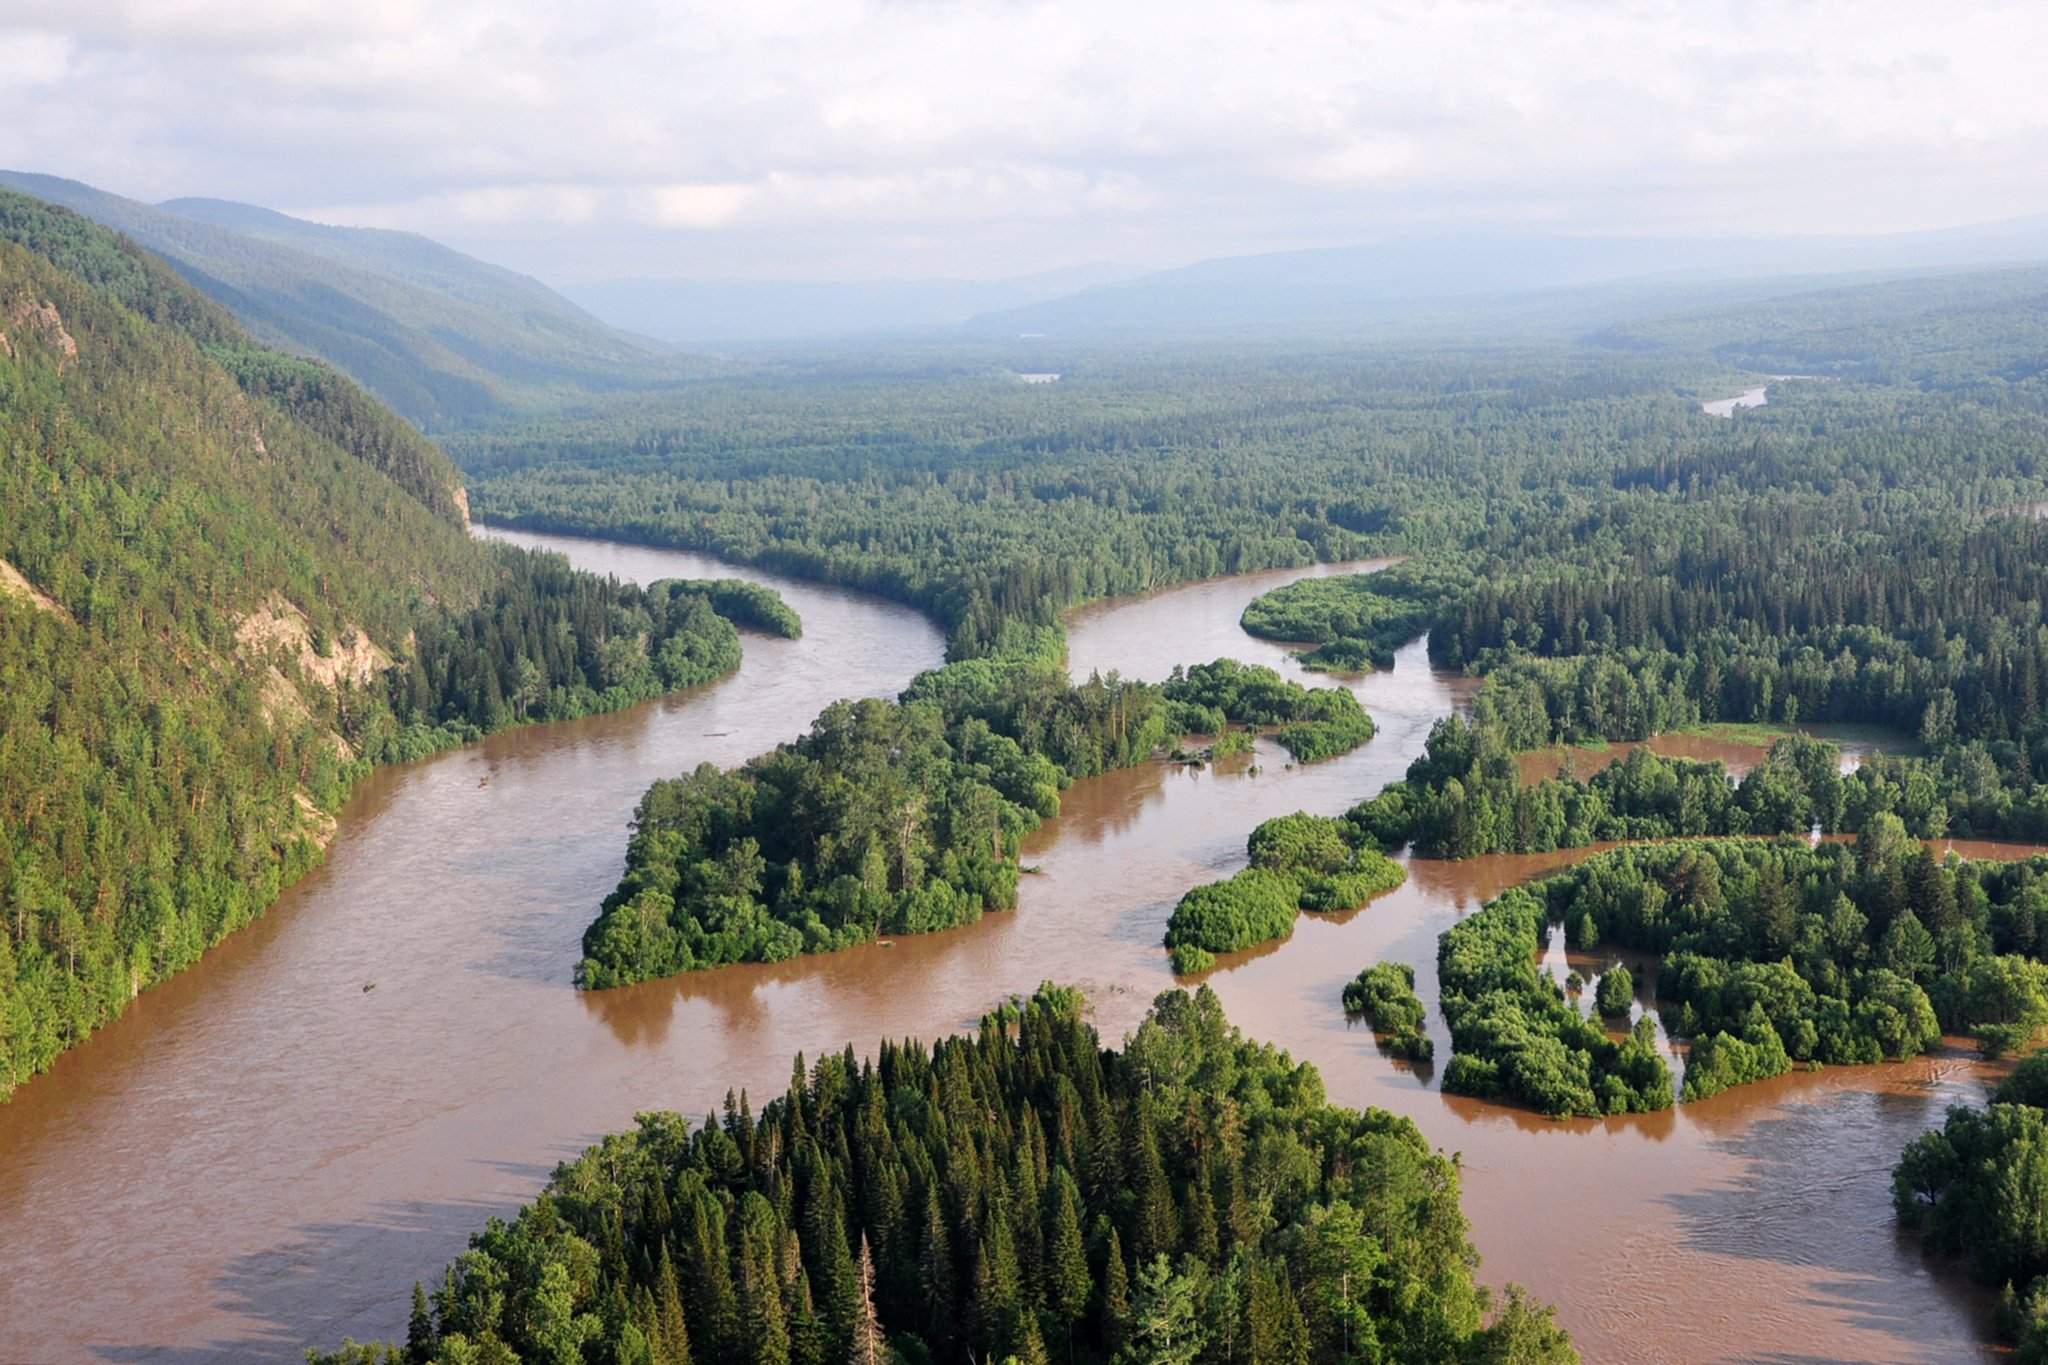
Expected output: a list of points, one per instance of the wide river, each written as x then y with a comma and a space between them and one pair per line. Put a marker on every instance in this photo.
263, 1154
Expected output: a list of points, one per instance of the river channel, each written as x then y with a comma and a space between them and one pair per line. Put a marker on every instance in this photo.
265, 1152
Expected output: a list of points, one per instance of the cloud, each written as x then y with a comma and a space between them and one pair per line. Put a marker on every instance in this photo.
1006, 135
698, 206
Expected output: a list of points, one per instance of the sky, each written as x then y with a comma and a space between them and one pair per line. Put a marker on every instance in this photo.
880, 139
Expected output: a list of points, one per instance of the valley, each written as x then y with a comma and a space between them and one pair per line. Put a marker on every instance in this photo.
348, 1141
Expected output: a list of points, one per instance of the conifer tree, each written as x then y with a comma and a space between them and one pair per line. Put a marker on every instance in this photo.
936, 1273
1115, 1312
421, 1340
1068, 1283
868, 1348
671, 1337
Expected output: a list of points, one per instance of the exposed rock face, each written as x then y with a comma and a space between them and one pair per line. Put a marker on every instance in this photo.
14, 584
41, 320
278, 625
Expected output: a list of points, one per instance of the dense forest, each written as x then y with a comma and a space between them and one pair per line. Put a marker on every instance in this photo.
1771, 954
1357, 621
1022, 1194
905, 817
1297, 862
229, 581
1976, 1188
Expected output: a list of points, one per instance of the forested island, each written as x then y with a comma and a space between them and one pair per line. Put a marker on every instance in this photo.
1021, 1194
1772, 954
905, 817
1297, 862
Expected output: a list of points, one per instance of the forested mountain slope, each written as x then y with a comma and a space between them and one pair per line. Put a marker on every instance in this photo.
444, 339
228, 581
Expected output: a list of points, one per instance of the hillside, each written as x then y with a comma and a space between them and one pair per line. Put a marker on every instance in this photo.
221, 599
1363, 288
1982, 325
725, 312
442, 338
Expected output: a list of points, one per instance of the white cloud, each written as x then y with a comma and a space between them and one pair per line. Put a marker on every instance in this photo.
701, 206
1009, 134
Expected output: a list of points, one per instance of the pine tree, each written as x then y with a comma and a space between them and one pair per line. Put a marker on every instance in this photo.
1156, 1231
645, 1320
767, 1334
710, 1279
1199, 1223
1029, 1348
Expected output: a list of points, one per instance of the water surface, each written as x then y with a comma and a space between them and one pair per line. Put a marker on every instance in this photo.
261, 1155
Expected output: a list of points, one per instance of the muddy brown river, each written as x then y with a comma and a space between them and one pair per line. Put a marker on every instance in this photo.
262, 1155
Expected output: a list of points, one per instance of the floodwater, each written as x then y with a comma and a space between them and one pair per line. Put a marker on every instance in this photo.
1748, 398
1733, 751
263, 1155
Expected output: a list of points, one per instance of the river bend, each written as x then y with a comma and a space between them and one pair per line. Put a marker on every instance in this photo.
262, 1154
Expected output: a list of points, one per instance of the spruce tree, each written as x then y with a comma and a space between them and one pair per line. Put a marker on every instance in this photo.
421, 1340
1068, 1283
936, 1273
671, 1339
1115, 1315
868, 1348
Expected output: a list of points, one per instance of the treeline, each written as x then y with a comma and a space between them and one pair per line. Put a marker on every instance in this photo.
1021, 1194
1976, 1188
1298, 862
1357, 621
1464, 796
1315, 722
1773, 954
901, 817
550, 642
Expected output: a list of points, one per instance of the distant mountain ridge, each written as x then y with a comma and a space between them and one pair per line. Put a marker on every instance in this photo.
442, 338
718, 312
1341, 287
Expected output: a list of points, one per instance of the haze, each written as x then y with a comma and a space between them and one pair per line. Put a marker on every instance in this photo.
848, 140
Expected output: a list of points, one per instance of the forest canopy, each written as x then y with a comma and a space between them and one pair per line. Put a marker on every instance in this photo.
1023, 1193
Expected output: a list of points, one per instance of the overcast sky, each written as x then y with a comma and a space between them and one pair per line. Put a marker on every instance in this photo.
912, 138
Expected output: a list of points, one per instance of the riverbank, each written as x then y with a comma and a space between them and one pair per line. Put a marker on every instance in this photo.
294, 1152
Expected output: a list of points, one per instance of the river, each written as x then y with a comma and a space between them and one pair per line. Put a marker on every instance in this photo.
1748, 398
262, 1154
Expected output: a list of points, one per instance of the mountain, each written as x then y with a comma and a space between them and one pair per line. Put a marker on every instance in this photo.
442, 338
230, 581
716, 312
1359, 287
